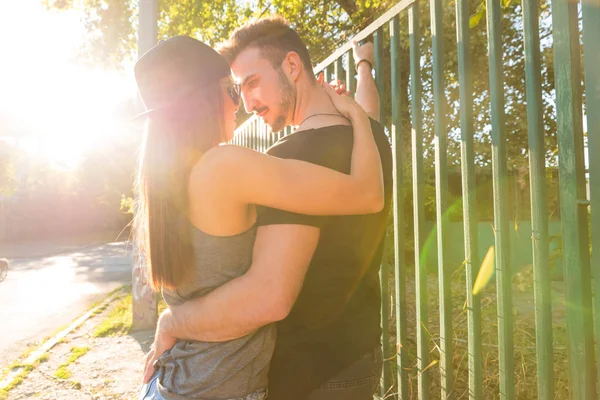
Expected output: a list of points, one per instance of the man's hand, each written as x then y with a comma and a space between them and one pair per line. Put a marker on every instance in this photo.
367, 94
162, 342
366, 51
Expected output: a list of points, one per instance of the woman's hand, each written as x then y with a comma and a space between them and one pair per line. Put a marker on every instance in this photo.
345, 105
162, 342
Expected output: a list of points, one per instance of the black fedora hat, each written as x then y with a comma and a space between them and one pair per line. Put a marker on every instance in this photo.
175, 68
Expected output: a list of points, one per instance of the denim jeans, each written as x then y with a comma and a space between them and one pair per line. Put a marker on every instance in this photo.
150, 391
357, 382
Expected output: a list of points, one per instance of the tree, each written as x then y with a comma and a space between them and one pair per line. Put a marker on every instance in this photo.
326, 24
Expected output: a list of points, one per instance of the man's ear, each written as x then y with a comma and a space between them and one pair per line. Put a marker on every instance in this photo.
292, 64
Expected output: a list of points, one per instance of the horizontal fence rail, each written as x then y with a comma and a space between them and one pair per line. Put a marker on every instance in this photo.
475, 182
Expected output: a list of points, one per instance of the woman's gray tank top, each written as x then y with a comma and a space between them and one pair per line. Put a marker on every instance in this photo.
216, 370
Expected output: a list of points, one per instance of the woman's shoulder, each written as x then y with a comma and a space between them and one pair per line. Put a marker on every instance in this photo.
219, 161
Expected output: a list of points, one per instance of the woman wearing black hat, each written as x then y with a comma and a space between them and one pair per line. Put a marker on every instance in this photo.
196, 216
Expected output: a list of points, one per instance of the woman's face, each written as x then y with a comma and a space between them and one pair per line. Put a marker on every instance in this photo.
231, 103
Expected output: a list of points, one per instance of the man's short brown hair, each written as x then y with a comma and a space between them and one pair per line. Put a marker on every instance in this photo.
272, 36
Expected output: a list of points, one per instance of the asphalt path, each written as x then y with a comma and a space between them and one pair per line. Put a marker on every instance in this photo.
41, 295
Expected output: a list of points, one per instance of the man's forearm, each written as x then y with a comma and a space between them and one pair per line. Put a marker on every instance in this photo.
367, 94
231, 311
264, 294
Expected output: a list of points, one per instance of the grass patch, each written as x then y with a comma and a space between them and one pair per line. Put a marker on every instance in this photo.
16, 381
525, 363
77, 352
63, 372
43, 358
118, 321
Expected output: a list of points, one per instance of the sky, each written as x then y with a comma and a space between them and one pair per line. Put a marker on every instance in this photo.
62, 107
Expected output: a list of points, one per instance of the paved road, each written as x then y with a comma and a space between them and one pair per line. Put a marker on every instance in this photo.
40, 295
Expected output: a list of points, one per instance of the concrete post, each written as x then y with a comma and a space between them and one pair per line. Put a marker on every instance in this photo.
144, 301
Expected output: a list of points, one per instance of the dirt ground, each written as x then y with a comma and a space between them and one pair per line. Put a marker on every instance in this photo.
110, 369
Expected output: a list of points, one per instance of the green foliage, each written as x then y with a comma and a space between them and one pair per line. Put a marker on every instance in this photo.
112, 27
63, 372
76, 352
83, 201
127, 204
112, 24
118, 322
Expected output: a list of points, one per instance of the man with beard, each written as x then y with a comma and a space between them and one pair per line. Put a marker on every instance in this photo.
327, 307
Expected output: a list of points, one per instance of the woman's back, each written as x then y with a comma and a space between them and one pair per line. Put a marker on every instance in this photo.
216, 370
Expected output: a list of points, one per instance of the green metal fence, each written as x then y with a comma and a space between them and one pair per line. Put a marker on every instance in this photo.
423, 362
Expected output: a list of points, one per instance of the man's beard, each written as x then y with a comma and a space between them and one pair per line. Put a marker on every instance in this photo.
288, 94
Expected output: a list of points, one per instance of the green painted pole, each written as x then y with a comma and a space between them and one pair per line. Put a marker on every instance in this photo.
469, 188
572, 194
350, 80
418, 204
441, 189
378, 47
402, 365
384, 271
591, 48
339, 69
539, 209
500, 188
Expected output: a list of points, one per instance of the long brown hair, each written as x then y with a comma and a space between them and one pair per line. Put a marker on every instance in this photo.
174, 141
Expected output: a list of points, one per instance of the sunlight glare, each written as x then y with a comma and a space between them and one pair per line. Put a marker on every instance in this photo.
66, 108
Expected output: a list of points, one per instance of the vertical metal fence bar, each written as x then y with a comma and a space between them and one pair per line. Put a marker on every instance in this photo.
441, 188
326, 74
469, 187
350, 81
263, 138
539, 209
378, 45
572, 194
255, 135
500, 188
249, 135
259, 137
384, 271
248, 130
400, 295
591, 48
251, 132
418, 203
339, 69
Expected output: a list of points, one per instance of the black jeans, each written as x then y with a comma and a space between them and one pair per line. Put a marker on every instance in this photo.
358, 381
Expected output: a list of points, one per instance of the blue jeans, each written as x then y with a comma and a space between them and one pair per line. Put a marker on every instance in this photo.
150, 391
358, 381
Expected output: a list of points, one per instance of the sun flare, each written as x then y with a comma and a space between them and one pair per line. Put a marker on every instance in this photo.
63, 108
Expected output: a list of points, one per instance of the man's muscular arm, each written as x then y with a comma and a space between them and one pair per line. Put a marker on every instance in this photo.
264, 294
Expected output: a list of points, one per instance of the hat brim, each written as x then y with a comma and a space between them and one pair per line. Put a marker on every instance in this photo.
142, 115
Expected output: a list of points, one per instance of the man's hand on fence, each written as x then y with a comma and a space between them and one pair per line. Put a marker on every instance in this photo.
363, 54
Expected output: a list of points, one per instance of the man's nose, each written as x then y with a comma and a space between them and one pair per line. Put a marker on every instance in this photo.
248, 102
